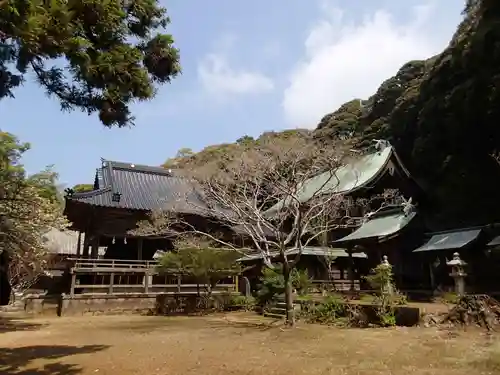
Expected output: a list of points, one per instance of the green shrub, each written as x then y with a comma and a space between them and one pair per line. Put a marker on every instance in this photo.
388, 297
450, 298
330, 311
272, 284
301, 281
246, 303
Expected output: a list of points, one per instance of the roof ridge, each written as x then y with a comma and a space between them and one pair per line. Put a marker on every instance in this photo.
140, 168
91, 193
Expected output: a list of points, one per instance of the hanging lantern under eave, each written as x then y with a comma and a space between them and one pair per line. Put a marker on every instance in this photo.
116, 197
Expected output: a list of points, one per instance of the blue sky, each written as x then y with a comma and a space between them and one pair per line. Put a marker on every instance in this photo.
248, 67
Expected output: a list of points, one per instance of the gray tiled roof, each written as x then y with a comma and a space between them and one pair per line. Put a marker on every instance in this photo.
141, 188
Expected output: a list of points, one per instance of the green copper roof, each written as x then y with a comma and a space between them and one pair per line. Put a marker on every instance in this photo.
449, 240
317, 251
379, 227
345, 179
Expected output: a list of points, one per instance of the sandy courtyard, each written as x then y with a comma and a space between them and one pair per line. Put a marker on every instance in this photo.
234, 344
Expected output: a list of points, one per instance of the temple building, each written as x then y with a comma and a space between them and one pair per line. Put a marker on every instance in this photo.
123, 195
375, 229
108, 256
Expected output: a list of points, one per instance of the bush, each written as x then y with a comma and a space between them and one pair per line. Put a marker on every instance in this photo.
243, 302
382, 280
272, 284
332, 310
301, 282
450, 298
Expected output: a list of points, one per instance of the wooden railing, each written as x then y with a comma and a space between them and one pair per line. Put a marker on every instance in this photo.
139, 278
82, 265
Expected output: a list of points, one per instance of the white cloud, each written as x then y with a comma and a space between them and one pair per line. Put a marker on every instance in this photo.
218, 77
345, 60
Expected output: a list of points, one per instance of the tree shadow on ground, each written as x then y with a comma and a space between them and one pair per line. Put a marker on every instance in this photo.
12, 325
13, 360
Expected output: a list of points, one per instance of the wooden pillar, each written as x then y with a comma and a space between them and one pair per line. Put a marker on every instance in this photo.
79, 245
139, 248
111, 282
179, 284
351, 269
86, 245
431, 275
146, 282
73, 283
95, 247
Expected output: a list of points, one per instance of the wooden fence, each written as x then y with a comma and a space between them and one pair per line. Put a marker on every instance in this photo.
113, 276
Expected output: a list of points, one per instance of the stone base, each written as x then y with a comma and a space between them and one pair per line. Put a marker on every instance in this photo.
106, 304
96, 304
89, 304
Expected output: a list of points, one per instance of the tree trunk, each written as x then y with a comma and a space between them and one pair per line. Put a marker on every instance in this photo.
5, 286
290, 312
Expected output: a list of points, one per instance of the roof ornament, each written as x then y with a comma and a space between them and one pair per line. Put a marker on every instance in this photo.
408, 206
381, 144
68, 192
368, 216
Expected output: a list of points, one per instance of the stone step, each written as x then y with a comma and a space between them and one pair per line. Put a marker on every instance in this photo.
277, 310
276, 316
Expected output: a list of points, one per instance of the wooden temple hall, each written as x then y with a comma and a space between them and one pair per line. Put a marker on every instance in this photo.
108, 259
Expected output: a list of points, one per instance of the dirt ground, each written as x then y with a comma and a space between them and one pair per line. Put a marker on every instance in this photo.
236, 343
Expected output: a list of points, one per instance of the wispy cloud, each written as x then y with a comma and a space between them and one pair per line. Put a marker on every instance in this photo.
343, 59
218, 77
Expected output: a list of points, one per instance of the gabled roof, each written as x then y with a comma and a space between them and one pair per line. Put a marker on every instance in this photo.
362, 173
140, 187
382, 225
450, 240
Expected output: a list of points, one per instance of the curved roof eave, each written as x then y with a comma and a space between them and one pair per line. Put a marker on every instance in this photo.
370, 168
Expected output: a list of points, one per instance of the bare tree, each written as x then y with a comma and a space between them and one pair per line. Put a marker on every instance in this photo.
279, 195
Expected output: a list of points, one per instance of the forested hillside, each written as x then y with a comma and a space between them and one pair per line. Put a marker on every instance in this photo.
441, 114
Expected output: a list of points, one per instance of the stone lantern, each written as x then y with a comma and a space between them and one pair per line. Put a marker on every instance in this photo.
458, 273
387, 288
